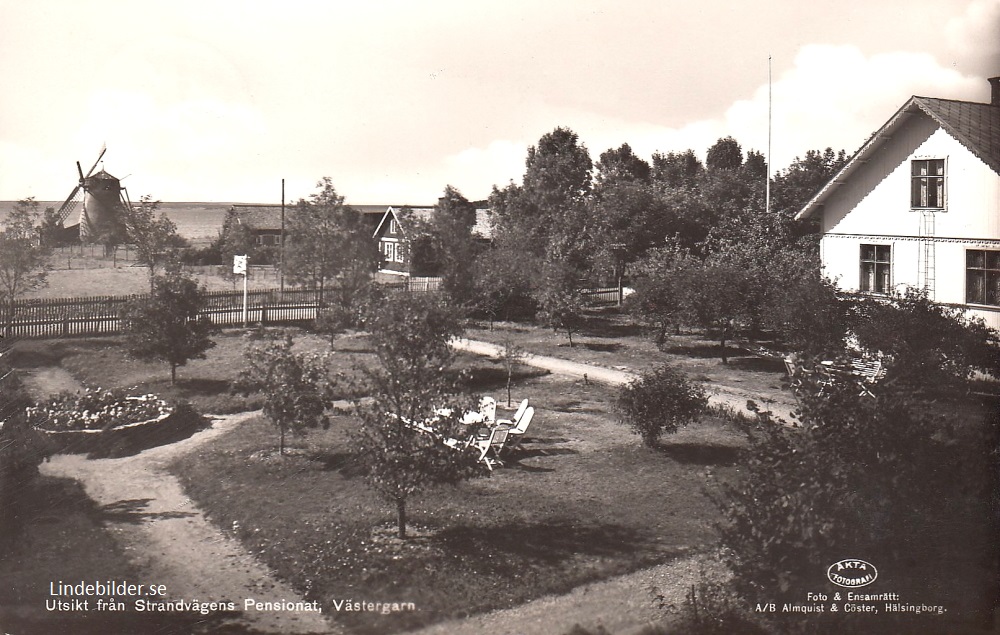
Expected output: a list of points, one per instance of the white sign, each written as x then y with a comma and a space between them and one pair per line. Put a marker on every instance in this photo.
240, 264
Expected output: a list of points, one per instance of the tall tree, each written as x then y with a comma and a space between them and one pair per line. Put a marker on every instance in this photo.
725, 154
411, 333
156, 240
23, 257
167, 325
677, 169
620, 165
326, 239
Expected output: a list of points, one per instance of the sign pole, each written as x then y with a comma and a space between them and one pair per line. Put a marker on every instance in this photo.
240, 266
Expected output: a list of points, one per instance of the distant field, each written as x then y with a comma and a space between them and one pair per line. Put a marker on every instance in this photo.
124, 280
198, 222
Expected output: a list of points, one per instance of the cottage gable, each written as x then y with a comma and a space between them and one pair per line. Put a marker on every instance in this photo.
919, 206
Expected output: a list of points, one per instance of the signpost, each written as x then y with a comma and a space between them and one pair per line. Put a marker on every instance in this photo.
240, 266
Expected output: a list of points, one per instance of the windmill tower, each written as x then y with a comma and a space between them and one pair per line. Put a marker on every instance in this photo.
103, 200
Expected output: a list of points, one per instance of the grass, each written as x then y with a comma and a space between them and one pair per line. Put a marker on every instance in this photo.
582, 501
205, 383
76, 276
63, 540
614, 341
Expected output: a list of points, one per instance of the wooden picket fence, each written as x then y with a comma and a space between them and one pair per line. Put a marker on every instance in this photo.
102, 315
606, 296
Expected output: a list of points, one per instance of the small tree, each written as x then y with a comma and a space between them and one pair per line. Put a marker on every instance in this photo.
411, 334
23, 259
155, 239
558, 295
297, 387
167, 325
714, 295
512, 356
661, 400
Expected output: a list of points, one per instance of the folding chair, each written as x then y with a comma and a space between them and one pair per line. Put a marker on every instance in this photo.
517, 415
516, 434
494, 443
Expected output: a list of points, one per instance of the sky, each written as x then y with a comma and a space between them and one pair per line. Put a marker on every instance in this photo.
217, 100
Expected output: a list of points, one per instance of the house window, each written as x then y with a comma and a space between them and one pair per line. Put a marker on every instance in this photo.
399, 253
875, 268
390, 251
927, 184
392, 225
982, 277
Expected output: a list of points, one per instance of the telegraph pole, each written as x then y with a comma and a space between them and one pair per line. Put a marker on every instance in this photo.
281, 245
767, 188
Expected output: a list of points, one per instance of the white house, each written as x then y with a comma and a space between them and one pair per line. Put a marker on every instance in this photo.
919, 206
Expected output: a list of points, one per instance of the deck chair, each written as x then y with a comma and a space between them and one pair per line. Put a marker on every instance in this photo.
492, 444
516, 434
517, 415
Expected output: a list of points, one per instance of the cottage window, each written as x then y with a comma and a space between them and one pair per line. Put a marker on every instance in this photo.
392, 225
982, 276
399, 253
390, 251
927, 184
876, 266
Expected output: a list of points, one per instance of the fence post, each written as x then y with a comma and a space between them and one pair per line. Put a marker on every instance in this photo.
65, 325
263, 314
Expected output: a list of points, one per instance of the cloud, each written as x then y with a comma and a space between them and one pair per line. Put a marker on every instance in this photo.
974, 38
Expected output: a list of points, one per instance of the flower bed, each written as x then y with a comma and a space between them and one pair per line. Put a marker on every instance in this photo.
111, 422
95, 410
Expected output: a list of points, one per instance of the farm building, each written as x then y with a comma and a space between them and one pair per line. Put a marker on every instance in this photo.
919, 206
399, 254
264, 221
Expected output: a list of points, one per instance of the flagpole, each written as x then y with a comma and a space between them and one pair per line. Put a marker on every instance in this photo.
767, 188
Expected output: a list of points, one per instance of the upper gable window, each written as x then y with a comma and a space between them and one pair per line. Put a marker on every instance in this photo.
392, 225
927, 184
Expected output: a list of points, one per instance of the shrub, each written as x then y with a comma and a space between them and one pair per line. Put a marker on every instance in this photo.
660, 401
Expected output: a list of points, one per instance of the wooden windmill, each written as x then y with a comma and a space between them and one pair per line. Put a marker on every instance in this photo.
103, 200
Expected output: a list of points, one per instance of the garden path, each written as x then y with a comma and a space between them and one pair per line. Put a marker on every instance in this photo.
170, 541
623, 605
780, 405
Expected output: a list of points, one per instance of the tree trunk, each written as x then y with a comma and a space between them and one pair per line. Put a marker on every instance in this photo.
509, 373
173, 374
281, 440
401, 517
569, 332
725, 360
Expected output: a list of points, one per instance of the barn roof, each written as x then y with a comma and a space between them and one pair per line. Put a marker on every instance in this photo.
268, 217
975, 125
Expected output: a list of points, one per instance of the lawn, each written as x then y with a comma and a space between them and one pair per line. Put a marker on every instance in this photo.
76, 275
63, 540
582, 501
614, 341
104, 362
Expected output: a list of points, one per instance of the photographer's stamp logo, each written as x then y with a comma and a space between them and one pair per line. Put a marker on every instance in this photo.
852, 573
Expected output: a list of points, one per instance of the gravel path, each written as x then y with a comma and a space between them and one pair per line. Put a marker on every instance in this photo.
170, 541
622, 605
718, 395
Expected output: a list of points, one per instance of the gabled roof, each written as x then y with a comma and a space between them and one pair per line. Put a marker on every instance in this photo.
268, 217
259, 217
976, 126
482, 228
420, 213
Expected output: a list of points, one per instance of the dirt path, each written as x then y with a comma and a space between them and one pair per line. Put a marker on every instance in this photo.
781, 406
622, 605
170, 541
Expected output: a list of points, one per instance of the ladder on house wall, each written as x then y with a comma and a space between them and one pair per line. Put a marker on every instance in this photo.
925, 256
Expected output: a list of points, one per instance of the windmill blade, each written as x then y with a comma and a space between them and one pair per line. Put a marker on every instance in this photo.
78, 169
68, 205
104, 149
